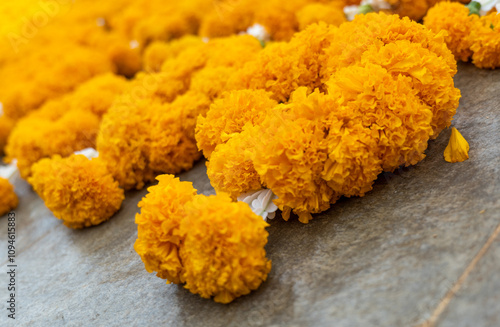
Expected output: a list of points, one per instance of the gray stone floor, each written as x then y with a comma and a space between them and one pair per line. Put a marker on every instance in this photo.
421, 246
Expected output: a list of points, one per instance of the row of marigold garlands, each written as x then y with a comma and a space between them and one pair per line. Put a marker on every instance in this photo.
292, 106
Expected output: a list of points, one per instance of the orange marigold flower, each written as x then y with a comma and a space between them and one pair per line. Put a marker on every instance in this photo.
213, 245
223, 249
485, 39
457, 149
283, 67
34, 138
8, 199
158, 52
228, 115
158, 238
230, 168
455, 19
320, 12
79, 191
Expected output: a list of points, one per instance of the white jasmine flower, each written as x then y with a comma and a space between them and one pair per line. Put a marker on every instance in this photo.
261, 202
487, 5
89, 153
259, 32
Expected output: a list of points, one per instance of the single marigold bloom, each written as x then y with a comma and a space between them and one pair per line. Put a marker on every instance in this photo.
223, 248
455, 19
485, 38
228, 115
213, 245
158, 52
8, 199
280, 68
158, 238
289, 156
79, 191
320, 12
457, 149
230, 168
34, 138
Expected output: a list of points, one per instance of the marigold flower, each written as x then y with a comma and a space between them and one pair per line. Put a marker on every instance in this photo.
485, 39
158, 238
457, 149
280, 68
79, 191
150, 129
185, 239
74, 65
228, 115
455, 19
158, 52
223, 254
230, 169
75, 130
320, 12
8, 199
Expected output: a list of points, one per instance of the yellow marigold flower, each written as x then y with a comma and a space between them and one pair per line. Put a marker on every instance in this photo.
223, 249
211, 81
352, 40
34, 138
320, 12
455, 19
227, 19
158, 52
8, 199
401, 46
214, 246
230, 169
150, 129
457, 149
158, 238
485, 38
283, 67
289, 157
79, 191
228, 115
35, 84
402, 124
172, 143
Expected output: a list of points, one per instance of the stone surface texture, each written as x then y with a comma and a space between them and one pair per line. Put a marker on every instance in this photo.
387, 259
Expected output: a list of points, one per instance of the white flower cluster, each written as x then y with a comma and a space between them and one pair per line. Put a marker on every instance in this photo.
89, 153
261, 202
487, 5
